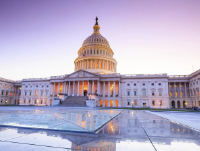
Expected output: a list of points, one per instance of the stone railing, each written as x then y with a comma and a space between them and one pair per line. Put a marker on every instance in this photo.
178, 76
57, 77
35, 79
110, 74
143, 75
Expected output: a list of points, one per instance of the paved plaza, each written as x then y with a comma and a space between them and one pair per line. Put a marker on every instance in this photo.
121, 130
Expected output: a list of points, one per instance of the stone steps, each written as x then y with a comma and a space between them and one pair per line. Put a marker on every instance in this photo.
79, 101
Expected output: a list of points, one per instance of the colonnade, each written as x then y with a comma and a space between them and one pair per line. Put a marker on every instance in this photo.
86, 87
95, 64
178, 89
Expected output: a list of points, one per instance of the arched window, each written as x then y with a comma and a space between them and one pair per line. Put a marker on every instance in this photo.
91, 51
143, 92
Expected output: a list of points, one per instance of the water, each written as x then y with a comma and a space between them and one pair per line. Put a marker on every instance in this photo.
129, 131
71, 120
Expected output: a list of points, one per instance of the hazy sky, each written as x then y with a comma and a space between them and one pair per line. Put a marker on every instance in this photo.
41, 38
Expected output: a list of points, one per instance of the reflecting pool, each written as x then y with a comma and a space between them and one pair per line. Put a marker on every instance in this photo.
129, 131
71, 120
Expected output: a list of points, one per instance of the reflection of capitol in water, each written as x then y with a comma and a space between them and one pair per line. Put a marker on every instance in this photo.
127, 127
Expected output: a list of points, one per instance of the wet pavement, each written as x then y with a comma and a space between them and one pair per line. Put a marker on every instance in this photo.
130, 130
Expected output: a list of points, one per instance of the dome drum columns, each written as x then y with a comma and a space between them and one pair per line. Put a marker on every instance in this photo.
96, 64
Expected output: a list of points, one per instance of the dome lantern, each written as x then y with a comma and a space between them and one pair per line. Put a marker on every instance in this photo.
96, 28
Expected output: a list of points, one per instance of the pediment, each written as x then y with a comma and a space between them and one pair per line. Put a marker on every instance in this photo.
81, 73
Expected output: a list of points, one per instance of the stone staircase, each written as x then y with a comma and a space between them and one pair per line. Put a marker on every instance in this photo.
74, 101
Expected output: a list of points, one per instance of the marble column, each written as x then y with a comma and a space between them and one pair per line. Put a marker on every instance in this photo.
114, 90
103, 88
78, 89
63, 87
180, 89
92, 87
119, 89
91, 64
83, 88
99, 64
88, 88
98, 88
174, 90
87, 64
185, 90
66, 88
73, 88
54, 88
69, 93
108, 88
169, 88
95, 63
58, 88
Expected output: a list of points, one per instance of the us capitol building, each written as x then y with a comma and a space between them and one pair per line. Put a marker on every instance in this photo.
96, 82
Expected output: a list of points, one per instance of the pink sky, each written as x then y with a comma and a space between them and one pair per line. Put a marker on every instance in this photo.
41, 38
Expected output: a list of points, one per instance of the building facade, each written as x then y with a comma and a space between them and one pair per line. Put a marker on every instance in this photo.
95, 73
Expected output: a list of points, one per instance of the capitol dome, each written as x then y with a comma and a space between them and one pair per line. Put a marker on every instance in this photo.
96, 39
95, 55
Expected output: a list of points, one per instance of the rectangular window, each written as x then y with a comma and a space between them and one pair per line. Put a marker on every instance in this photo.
135, 102
128, 93
135, 93
1, 92
41, 93
128, 102
25, 93
46, 93
6, 93
160, 93
30, 93
153, 103
153, 93
144, 92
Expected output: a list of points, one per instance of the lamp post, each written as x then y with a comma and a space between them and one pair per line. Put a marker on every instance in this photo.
185, 105
132, 105
160, 104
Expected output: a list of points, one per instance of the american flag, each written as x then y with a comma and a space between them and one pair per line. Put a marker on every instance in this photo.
84, 55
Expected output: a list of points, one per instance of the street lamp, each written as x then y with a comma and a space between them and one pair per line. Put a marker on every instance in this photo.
132, 105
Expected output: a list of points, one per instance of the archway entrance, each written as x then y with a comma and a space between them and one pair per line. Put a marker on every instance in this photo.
173, 104
101, 103
178, 104
116, 103
184, 104
111, 103
85, 92
106, 103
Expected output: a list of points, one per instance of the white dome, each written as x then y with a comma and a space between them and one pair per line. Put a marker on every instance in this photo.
96, 39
